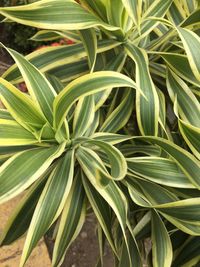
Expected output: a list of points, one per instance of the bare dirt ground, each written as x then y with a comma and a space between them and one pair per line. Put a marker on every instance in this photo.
84, 251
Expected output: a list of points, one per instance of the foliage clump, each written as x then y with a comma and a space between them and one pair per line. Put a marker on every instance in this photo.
110, 124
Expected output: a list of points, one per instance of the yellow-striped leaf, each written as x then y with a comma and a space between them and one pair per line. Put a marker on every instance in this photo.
39, 88
84, 86
161, 243
134, 9
13, 134
120, 115
101, 210
50, 58
51, 202
21, 107
191, 43
84, 115
89, 40
75, 207
54, 15
180, 65
186, 161
116, 159
159, 170
33, 163
49, 35
147, 108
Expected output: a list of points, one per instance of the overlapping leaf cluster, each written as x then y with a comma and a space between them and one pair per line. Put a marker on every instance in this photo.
109, 124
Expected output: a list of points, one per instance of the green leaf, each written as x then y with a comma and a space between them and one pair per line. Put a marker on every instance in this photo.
180, 65
186, 161
114, 14
96, 7
159, 170
161, 244
115, 198
120, 115
71, 222
191, 43
89, 40
13, 134
84, 86
189, 252
33, 163
117, 161
51, 58
39, 88
54, 15
134, 9
191, 136
130, 249
5, 115
55, 82
21, 107
49, 35
68, 72
110, 137
176, 13
101, 210
51, 202
84, 115
93, 166
184, 214
193, 19
147, 110
157, 9
188, 105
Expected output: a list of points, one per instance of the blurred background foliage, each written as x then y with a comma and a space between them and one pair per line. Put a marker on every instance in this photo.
15, 35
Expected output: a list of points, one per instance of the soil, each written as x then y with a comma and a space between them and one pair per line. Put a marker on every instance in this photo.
84, 251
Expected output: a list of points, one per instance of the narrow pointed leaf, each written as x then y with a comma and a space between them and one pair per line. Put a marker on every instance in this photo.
89, 40
53, 15
28, 115
159, 170
188, 105
157, 9
93, 166
113, 196
191, 43
147, 108
39, 88
86, 85
117, 161
75, 207
33, 163
49, 35
13, 134
180, 65
51, 58
5, 115
134, 9
191, 136
121, 114
186, 161
84, 115
51, 202
101, 210
189, 252
110, 138
162, 247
